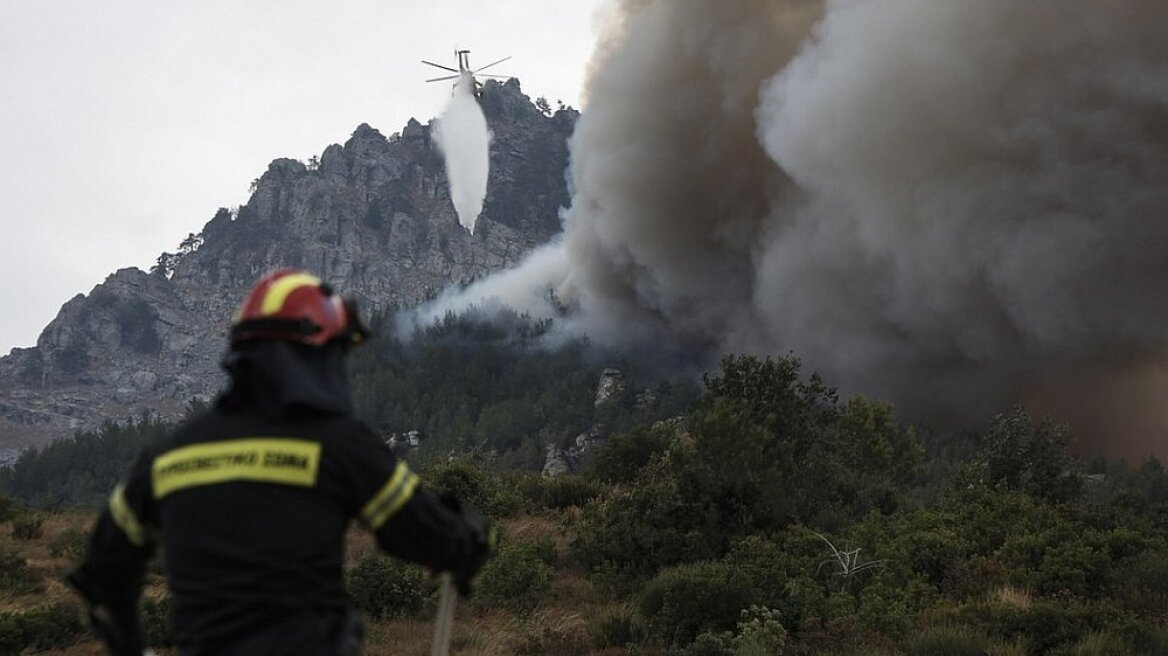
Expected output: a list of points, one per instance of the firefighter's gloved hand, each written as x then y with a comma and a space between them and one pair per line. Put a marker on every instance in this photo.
484, 542
113, 624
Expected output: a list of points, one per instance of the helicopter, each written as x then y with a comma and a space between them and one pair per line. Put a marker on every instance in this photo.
464, 72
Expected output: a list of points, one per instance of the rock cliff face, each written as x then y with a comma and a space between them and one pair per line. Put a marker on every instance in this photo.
372, 216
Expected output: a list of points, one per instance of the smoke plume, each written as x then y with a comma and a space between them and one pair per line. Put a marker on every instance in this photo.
953, 205
463, 136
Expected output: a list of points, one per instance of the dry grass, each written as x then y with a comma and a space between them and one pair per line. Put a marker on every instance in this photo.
563, 625
530, 527
1015, 597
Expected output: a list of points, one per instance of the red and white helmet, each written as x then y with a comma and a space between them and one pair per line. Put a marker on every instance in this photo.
294, 305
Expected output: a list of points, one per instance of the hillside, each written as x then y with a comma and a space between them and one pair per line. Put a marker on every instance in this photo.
373, 216
776, 519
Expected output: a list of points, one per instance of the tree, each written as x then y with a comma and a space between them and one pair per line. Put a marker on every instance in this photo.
542, 105
190, 244
165, 264
1031, 457
764, 449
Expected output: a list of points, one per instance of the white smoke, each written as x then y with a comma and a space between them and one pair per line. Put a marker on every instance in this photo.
954, 205
461, 132
528, 288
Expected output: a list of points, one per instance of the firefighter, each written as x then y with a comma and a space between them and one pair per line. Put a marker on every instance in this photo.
251, 499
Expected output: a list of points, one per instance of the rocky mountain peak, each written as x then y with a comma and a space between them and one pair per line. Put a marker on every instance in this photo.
373, 216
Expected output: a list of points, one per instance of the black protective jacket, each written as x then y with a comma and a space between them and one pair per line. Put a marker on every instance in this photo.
251, 501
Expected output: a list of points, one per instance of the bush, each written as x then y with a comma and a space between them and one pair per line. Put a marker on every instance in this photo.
948, 641
1128, 640
475, 486
384, 587
616, 629
1141, 639
681, 603
15, 578
559, 492
70, 544
518, 576
1030, 456
27, 527
638, 530
461, 479
8, 508
1043, 625
841, 637
39, 628
760, 633
542, 547
623, 456
552, 632
1141, 583
711, 644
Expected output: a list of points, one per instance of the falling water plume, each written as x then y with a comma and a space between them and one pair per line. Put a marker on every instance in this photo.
463, 136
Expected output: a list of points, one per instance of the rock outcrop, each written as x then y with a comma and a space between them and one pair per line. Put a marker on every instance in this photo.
372, 216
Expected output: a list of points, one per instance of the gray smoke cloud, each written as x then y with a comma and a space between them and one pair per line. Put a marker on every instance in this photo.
955, 205
461, 133
952, 205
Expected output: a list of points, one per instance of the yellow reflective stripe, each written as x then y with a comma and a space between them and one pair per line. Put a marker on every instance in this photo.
124, 516
282, 288
287, 461
396, 492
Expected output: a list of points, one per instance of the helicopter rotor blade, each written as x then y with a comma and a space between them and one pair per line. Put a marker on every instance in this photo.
446, 68
448, 77
483, 68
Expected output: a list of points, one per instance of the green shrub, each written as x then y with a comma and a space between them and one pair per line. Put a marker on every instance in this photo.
890, 608
1020, 453
760, 633
1129, 639
383, 587
475, 486
518, 576
681, 603
623, 456
616, 629
1044, 625
1102, 644
40, 628
841, 636
948, 641
8, 508
710, 644
550, 632
27, 527
1142, 639
636, 531
15, 578
559, 492
1076, 569
542, 547
1141, 583
462, 479
70, 543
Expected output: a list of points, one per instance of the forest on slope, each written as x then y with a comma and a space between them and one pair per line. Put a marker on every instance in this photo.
759, 514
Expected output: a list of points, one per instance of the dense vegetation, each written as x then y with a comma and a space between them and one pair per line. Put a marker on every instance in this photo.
466, 384
81, 469
769, 516
471, 384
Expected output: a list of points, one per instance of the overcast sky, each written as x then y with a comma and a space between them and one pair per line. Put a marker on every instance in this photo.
125, 124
